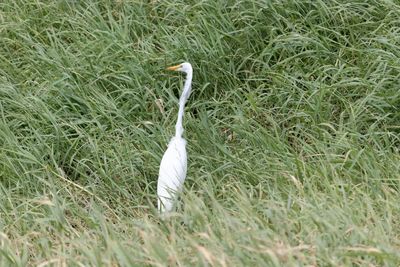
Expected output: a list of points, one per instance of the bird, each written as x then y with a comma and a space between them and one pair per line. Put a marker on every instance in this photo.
173, 166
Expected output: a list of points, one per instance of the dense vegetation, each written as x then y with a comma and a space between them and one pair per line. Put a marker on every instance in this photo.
293, 130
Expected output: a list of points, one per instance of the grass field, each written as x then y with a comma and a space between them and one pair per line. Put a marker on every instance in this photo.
293, 131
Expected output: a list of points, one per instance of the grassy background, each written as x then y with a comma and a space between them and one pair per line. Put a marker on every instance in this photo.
292, 128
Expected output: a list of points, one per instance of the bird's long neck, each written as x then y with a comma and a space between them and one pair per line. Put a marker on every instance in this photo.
182, 101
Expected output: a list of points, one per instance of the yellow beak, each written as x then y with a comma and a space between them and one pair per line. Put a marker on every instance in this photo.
174, 67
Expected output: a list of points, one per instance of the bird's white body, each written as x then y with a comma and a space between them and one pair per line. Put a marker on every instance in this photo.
172, 174
173, 165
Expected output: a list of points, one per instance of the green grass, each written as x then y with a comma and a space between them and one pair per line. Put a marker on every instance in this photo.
293, 130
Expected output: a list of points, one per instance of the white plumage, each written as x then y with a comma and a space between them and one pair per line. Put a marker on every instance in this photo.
173, 165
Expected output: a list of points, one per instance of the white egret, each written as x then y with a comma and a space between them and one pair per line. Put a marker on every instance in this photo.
173, 165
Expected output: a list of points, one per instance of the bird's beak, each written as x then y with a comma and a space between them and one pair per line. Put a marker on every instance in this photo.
174, 67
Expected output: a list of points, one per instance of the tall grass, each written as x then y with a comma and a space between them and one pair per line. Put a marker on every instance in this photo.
292, 128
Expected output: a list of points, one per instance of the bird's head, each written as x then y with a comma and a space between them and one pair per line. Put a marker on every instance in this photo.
184, 67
